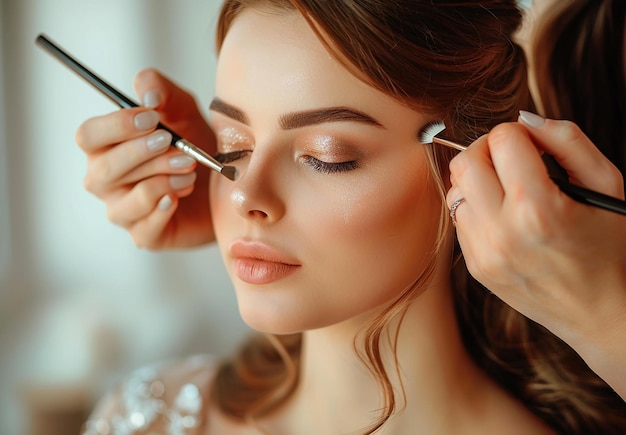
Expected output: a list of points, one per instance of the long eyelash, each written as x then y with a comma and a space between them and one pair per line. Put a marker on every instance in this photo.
318, 165
330, 168
224, 158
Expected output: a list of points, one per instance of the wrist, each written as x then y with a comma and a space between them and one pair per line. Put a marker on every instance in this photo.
600, 340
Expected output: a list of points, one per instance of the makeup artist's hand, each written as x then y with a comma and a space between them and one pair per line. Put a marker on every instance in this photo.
150, 188
557, 261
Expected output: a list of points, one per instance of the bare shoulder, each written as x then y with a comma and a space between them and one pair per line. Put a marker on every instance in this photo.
166, 398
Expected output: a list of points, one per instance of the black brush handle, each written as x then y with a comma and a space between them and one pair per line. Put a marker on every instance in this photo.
586, 196
591, 197
124, 102
92, 78
96, 81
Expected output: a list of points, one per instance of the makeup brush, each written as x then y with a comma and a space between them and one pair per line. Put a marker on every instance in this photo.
123, 101
428, 135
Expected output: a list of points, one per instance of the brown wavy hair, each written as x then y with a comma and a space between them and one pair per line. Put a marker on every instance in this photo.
580, 67
457, 60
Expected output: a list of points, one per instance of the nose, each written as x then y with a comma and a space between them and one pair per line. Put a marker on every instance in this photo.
257, 194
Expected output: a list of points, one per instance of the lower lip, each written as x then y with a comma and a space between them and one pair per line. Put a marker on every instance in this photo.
254, 271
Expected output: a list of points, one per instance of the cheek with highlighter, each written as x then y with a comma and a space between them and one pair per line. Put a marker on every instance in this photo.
364, 242
362, 223
384, 227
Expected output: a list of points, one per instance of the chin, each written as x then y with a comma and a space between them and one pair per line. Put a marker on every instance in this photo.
272, 322
289, 309
273, 326
271, 318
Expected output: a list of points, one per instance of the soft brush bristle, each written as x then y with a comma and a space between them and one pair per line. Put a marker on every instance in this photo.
229, 172
429, 131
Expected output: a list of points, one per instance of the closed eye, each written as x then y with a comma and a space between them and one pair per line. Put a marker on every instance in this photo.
330, 168
318, 165
225, 158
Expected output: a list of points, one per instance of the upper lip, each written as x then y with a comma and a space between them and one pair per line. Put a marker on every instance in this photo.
259, 251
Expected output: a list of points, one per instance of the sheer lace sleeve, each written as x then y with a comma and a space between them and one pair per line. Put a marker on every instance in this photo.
166, 399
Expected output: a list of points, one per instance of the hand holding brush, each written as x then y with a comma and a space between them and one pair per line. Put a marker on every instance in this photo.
577, 192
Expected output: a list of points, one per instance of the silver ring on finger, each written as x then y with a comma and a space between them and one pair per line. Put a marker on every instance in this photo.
453, 208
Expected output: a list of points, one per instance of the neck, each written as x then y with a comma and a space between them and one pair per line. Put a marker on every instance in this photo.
433, 369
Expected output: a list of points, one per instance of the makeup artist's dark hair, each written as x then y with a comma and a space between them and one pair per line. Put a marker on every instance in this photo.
580, 66
456, 60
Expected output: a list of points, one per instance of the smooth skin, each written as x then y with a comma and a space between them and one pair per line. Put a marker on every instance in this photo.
323, 195
558, 262
358, 235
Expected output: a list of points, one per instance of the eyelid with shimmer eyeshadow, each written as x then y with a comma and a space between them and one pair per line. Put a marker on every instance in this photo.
230, 138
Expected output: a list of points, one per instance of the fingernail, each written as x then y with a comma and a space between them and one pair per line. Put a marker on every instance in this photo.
165, 203
181, 162
531, 119
159, 141
151, 99
179, 182
146, 120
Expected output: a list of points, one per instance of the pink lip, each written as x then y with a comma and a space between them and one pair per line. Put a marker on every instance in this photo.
257, 263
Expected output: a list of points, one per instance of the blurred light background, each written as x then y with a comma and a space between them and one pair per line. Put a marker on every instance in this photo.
80, 306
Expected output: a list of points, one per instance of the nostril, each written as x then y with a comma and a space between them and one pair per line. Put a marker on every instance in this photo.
247, 208
257, 214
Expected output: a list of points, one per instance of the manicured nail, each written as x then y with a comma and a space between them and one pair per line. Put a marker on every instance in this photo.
179, 182
146, 120
165, 203
531, 119
181, 162
159, 141
151, 99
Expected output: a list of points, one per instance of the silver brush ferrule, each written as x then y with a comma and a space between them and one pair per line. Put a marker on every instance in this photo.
196, 153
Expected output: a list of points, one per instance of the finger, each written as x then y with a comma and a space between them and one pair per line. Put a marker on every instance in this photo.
173, 162
143, 198
177, 107
518, 164
115, 127
105, 170
453, 194
573, 150
152, 87
473, 174
459, 211
147, 232
133, 161
155, 90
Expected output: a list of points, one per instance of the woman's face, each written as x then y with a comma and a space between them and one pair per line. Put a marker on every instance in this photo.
334, 212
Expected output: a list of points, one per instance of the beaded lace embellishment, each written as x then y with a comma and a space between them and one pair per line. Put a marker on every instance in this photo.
142, 404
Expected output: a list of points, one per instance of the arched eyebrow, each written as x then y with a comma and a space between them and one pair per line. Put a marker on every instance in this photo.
290, 121
293, 120
226, 109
